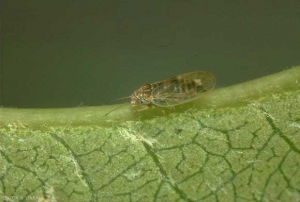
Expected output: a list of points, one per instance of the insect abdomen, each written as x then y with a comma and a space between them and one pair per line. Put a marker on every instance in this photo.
181, 89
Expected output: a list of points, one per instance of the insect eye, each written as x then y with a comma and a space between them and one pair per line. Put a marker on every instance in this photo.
134, 100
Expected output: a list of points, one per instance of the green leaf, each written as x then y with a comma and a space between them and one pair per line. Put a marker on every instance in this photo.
240, 143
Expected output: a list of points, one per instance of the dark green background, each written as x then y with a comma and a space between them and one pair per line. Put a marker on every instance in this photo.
73, 53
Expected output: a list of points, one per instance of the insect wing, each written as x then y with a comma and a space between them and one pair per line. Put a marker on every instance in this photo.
183, 88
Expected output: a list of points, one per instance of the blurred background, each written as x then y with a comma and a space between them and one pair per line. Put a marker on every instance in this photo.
87, 53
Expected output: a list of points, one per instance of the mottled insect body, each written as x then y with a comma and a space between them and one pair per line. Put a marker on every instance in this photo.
174, 91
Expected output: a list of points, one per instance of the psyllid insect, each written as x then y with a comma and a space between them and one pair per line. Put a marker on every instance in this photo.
173, 91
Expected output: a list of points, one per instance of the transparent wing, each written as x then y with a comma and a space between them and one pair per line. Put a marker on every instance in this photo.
183, 88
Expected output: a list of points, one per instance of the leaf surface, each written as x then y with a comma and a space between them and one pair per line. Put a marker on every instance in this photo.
239, 152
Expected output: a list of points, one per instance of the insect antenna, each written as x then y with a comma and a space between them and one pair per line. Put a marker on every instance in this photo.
120, 98
119, 106
115, 109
